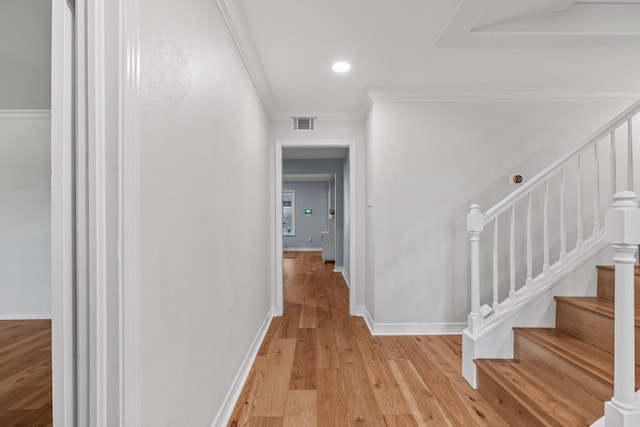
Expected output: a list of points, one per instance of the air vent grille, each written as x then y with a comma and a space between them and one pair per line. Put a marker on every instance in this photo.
304, 123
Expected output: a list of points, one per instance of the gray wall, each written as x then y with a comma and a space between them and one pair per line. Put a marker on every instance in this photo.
308, 195
205, 238
325, 166
25, 219
25, 157
25, 54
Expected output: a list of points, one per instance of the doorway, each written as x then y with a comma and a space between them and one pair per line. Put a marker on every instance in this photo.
350, 215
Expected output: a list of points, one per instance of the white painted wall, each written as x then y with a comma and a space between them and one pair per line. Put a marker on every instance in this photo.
426, 163
25, 221
206, 222
338, 129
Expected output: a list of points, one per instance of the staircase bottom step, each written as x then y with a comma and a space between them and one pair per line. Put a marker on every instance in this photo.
526, 399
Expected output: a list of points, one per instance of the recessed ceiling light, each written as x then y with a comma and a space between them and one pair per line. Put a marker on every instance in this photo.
341, 67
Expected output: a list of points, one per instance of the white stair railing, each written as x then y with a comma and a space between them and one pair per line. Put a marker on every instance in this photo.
545, 227
622, 223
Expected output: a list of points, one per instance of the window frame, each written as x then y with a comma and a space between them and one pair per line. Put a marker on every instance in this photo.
293, 212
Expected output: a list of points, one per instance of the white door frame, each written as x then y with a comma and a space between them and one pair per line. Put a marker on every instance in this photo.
63, 266
82, 32
350, 144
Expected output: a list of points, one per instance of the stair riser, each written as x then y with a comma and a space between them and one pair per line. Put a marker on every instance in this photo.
565, 376
589, 326
606, 285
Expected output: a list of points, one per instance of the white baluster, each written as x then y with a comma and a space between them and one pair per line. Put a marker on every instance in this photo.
475, 226
596, 191
622, 228
545, 235
529, 244
563, 225
629, 156
495, 265
580, 231
512, 254
614, 187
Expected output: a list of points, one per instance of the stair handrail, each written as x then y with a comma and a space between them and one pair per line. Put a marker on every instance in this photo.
539, 178
477, 220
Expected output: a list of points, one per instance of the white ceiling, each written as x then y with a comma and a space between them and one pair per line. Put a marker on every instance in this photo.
289, 45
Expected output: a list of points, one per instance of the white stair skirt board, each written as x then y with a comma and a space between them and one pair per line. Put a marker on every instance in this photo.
285, 249
398, 329
229, 403
26, 316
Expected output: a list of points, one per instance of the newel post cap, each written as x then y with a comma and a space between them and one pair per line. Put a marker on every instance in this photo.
475, 219
622, 220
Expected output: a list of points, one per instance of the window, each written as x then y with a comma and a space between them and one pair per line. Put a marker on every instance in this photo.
288, 212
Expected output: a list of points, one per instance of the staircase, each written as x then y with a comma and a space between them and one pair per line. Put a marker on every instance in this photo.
560, 376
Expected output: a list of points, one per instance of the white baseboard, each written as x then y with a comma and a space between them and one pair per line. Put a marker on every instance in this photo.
338, 269
302, 249
25, 316
229, 403
389, 329
368, 320
25, 115
345, 276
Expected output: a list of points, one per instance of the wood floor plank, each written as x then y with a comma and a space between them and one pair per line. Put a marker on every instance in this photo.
25, 373
303, 372
351, 378
275, 381
301, 409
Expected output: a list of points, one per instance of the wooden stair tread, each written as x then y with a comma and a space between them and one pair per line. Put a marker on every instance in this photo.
598, 305
591, 359
549, 408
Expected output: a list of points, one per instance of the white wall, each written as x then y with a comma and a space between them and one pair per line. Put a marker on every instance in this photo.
426, 163
25, 221
205, 213
338, 129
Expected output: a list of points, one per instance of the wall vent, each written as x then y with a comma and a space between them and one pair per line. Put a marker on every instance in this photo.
304, 123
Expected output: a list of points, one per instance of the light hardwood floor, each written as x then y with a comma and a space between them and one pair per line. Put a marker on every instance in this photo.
25, 373
318, 366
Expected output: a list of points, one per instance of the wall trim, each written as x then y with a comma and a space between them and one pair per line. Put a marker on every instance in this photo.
230, 400
495, 95
346, 278
241, 35
25, 115
397, 329
305, 249
26, 316
129, 213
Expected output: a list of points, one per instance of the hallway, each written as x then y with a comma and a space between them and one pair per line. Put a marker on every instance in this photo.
318, 366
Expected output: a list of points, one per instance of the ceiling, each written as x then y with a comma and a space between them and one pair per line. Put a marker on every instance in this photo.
408, 46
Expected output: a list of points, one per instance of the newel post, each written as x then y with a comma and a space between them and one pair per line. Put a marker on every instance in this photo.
475, 226
622, 228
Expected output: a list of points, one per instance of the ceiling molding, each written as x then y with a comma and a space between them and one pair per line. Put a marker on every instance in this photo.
541, 23
501, 95
25, 115
241, 35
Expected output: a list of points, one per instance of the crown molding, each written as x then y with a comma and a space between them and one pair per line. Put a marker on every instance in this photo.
501, 95
241, 35
25, 115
